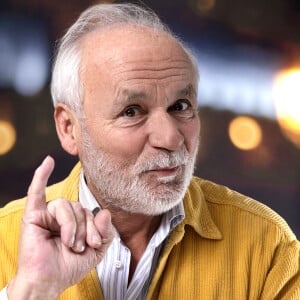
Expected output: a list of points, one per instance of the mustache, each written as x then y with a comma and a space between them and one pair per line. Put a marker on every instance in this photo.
163, 160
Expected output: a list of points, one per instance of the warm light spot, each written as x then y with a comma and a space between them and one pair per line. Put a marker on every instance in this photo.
245, 133
203, 6
7, 137
286, 92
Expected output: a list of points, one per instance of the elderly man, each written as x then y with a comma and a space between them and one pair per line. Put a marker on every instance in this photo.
125, 96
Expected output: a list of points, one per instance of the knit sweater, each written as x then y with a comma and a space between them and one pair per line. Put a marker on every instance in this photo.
228, 247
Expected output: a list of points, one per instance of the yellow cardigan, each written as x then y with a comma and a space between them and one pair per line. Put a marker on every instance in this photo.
228, 247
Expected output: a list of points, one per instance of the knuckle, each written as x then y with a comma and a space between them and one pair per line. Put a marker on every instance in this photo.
77, 207
30, 217
58, 202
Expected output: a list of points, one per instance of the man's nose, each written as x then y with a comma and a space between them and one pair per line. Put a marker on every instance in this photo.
164, 132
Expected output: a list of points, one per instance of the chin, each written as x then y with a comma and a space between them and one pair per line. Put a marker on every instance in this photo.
155, 206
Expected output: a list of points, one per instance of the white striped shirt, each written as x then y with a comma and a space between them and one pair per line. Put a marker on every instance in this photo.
113, 271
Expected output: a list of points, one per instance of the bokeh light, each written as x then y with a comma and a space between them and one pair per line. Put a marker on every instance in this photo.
24, 54
245, 133
287, 103
7, 137
202, 6
205, 5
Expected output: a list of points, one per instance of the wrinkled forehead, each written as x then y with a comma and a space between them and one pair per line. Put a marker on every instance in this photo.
131, 43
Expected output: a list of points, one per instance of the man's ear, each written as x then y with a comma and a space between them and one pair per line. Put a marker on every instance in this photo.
66, 128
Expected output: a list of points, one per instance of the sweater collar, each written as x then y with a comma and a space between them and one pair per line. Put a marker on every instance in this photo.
197, 212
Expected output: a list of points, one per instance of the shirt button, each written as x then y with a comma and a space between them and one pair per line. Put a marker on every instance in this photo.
117, 264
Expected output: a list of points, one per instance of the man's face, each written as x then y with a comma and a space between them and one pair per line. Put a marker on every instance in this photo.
139, 137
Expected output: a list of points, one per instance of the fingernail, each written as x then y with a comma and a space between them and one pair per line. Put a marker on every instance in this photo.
72, 241
80, 246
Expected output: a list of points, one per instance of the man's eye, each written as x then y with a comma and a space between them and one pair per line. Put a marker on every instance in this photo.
131, 111
180, 105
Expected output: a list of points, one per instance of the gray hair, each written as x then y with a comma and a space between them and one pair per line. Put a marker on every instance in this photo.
66, 86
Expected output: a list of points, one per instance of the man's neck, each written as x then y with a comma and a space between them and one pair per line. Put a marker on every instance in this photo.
134, 226
135, 231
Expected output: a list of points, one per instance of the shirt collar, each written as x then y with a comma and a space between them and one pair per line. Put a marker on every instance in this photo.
86, 197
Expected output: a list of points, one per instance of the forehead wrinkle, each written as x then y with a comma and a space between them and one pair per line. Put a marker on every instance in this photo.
152, 68
142, 75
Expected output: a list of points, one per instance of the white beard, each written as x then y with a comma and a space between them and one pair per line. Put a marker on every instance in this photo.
129, 187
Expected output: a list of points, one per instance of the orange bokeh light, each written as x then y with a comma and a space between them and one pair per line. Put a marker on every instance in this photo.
245, 133
7, 137
287, 103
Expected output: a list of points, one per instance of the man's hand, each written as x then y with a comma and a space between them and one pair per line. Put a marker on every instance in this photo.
60, 242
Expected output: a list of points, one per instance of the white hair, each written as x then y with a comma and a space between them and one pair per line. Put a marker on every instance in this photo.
66, 86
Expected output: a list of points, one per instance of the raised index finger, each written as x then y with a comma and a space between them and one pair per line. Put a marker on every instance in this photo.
36, 192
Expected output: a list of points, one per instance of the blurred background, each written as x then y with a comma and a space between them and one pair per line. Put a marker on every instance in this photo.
249, 90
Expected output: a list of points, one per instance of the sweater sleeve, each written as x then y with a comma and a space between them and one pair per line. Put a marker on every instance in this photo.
10, 225
283, 280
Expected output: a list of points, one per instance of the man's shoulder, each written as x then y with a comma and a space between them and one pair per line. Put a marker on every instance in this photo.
223, 201
12, 208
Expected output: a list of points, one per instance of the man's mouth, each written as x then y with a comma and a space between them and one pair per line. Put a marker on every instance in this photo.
165, 171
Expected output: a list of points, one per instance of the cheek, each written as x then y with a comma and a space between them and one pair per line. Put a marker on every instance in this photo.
191, 132
123, 145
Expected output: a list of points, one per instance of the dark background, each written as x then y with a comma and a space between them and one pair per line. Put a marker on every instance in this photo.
269, 173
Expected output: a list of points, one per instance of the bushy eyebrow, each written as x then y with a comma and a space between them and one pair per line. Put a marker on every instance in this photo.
134, 95
188, 91
128, 96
